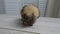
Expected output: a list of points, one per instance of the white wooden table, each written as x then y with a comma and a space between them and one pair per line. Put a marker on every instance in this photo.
43, 25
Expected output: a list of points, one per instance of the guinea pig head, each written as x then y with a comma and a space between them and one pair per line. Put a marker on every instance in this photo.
29, 21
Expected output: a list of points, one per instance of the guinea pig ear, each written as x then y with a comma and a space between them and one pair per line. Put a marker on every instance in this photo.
24, 6
22, 10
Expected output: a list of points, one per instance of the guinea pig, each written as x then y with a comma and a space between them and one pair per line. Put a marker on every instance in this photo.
29, 14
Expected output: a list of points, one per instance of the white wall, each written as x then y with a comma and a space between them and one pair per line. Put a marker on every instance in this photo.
2, 7
58, 10
49, 11
58, 13
53, 9
42, 6
13, 7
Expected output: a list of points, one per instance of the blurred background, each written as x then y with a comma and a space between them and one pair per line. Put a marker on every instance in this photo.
48, 8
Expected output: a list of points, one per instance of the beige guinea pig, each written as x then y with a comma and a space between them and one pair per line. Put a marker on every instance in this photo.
29, 14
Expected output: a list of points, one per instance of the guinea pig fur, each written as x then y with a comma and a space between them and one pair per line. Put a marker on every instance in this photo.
29, 14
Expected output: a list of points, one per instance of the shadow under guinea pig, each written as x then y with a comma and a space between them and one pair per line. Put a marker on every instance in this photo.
19, 24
